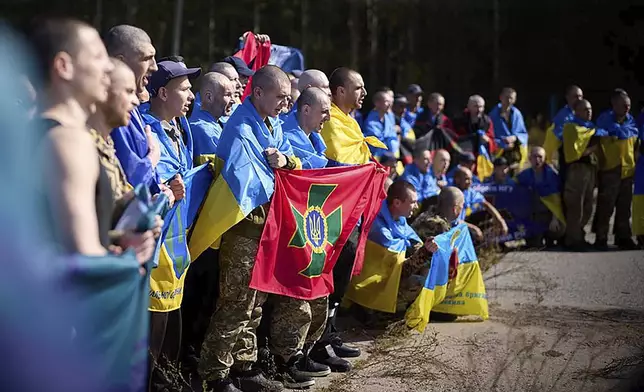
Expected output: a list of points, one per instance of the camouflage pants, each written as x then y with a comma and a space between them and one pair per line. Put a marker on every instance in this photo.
409, 289
296, 323
578, 198
614, 193
231, 335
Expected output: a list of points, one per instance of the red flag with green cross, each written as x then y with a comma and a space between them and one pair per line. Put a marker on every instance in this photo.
312, 214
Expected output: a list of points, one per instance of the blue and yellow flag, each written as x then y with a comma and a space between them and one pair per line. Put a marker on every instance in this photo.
554, 134
377, 285
484, 164
638, 198
385, 131
619, 146
346, 145
246, 180
548, 187
576, 137
458, 291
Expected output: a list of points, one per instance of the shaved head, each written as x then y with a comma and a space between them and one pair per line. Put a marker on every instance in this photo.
125, 39
312, 96
341, 77
217, 94
269, 76
450, 202
462, 177
441, 162
225, 69
313, 78
213, 81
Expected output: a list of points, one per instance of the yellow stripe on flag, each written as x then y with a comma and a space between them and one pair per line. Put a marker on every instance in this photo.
166, 290
554, 204
377, 285
551, 144
219, 213
466, 294
638, 215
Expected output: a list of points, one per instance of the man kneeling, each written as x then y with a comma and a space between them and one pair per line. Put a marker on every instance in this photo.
389, 280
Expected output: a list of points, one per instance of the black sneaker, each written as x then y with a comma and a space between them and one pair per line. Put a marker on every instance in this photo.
254, 381
325, 354
601, 245
289, 374
308, 367
341, 349
626, 244
225, 385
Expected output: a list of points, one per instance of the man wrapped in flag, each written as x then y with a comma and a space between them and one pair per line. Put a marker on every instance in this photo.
511, 135
554, 134
346, 146
295, 324
547, 208
454, 284
616, 172
580, 142
251, 145
390, 280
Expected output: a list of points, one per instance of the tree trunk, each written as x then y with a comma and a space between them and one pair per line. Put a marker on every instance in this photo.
176, 27
131, 9
257, 8
98, 16
372, 24
304, 18
211, 30
354, 34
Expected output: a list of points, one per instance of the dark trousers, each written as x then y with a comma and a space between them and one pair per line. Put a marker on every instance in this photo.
614, 194
201, 291
343, 269
165, 344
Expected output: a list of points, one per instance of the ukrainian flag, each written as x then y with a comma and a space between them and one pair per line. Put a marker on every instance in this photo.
619, 147
345, 143
554, 134
484, 164
549, 189
464, 294
246, 180
638, 198
377, 285
576, 137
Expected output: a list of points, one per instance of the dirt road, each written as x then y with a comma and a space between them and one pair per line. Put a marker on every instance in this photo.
558, 322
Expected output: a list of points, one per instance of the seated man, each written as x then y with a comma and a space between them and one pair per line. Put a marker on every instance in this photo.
389, 280
510, 131
380, 124
467, 161
500, 175
547, 209
403, 128
477, 210
420, 176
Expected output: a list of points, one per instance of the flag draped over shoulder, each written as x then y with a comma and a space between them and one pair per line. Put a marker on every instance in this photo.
619, 147
246, 180
346, 145
310, 149
516, 127
548, 188
312, 214
554, 133
384, 131
167, 280
377, 285
461, 291
576, 137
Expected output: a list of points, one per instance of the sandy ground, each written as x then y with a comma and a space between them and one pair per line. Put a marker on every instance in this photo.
558, 322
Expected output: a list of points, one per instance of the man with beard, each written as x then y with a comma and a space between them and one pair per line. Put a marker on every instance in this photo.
217, 98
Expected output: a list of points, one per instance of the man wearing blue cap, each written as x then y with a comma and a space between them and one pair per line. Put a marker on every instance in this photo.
242, 69
170, 99
414, 96
467, 161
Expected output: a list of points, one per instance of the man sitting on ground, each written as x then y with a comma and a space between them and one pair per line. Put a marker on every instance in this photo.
500, 174
487, 216
390, 281
547, 209
466, 161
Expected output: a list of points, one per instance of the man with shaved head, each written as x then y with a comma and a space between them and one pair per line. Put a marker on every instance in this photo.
380, 123
230, 72
251, 145
432, 117
217, 98
76, 78
475, 202
475, 126
545, 184
314, 78
135, 145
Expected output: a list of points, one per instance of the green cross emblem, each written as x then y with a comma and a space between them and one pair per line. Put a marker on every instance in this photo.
317, 228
